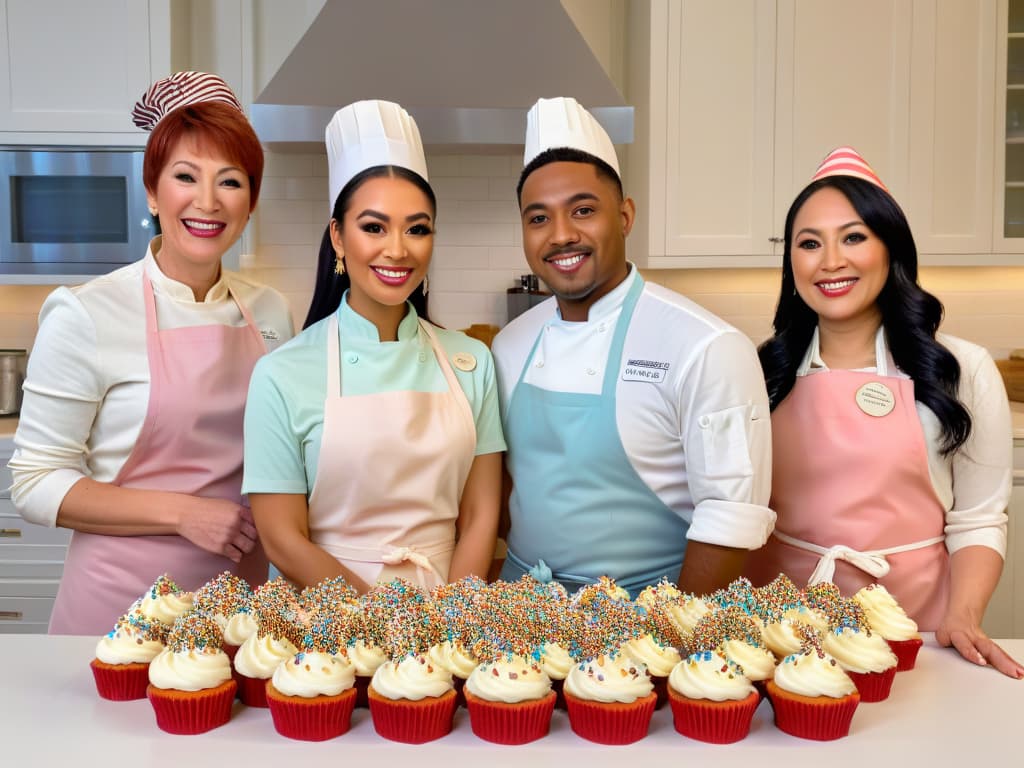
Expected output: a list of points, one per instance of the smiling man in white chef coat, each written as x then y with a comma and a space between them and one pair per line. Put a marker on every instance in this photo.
637, 422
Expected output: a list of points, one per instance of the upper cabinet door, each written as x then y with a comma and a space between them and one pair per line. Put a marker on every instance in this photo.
718, 107
78, 66
843, 79
952, 118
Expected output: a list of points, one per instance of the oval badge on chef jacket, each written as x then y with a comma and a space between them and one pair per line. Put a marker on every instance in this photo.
464, 361
875, 399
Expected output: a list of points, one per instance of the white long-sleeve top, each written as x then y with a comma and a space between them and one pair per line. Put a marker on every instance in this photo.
690, 402
87, 387
975, 482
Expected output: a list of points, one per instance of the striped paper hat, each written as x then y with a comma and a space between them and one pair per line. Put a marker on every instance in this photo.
846, 161
180, 90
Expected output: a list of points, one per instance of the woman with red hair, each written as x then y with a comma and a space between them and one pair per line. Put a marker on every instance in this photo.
131, 426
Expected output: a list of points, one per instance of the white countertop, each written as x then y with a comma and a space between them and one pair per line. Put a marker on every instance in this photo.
944, 712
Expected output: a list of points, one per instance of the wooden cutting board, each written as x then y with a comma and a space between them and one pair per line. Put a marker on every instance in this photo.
1012, 371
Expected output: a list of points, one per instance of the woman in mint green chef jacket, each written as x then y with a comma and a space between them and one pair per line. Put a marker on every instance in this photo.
372, 442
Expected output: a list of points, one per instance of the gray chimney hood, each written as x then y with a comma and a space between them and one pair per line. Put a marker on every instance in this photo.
467, 70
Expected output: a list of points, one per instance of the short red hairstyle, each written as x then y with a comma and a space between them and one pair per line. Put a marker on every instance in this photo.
216, 127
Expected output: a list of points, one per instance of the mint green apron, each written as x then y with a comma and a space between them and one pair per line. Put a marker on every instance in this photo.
578, 509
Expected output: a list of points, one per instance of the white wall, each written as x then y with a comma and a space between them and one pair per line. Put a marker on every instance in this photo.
478, 256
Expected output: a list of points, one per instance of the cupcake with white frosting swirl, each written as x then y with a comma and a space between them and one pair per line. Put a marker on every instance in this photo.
711, 698
190, 684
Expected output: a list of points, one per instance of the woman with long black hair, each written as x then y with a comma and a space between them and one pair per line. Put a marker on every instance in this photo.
372, 441
891, 442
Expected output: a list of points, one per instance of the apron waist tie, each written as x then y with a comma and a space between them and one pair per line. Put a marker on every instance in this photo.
872, 562
542, 571
390, 554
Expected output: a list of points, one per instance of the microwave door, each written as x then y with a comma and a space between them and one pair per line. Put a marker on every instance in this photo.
74, 212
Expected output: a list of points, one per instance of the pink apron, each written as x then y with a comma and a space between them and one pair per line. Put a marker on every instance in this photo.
853, 494
391, 473
190, 442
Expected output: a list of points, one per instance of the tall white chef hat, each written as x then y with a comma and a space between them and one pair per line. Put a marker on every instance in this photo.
367, 134
562, 122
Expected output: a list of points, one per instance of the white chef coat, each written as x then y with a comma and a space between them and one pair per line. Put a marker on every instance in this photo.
973, 484
87, 387
691, 406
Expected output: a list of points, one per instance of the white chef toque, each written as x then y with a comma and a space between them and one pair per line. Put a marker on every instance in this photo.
367, 134
562, 123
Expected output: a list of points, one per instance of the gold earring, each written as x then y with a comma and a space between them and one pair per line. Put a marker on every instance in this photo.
339, 266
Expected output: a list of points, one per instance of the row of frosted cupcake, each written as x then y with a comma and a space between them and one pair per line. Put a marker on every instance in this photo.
604, 688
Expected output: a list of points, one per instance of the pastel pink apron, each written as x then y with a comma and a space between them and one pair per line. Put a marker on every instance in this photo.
190, 442
391, 473
853, 495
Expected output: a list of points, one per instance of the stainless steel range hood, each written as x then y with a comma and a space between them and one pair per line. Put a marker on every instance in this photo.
467, 70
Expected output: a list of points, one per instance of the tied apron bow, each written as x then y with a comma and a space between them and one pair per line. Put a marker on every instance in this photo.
872, 562
399, 555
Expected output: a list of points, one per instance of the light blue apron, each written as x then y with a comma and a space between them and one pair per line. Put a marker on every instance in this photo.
579, 510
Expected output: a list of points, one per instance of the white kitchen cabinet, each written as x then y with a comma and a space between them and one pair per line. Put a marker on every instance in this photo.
1008, 228
700, 166
738, 103
71, 70
31, 562
951, 188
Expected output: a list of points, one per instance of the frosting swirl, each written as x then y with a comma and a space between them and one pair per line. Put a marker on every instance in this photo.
620, 678
238, 628
413, 678
782, 637
707, 675
366, 657
189, 670
509, 680
885, 615
686, 612
314, 673
757, 662
659, 659
164, 607
812, 673
453, 657
258, 657
555, 661
134, 640
859, 650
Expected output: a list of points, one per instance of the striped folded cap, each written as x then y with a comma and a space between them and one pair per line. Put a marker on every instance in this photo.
179, 90
846, 161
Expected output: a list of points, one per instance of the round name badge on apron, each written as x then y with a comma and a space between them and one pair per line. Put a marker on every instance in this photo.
875, 399
464, 361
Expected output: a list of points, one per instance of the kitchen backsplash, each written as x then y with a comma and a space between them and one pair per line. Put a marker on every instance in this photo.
478, 255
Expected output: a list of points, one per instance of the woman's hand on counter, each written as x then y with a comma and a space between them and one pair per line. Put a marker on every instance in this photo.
218, 526
973, 575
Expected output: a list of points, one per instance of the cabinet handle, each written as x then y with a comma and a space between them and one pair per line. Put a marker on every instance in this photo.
10, 533
776, 240
10, 615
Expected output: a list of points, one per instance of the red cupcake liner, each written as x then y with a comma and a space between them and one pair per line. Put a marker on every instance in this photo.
660, 690
362, 685
873, 686
311, 719
120, 682
906, 652
230, 650
191, 712
460, 696
510, 723
610, 722
412, 722
820, 718
557, 686
252, 691
715, 722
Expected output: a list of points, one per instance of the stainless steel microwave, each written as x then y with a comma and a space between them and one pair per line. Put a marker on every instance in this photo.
71, 211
